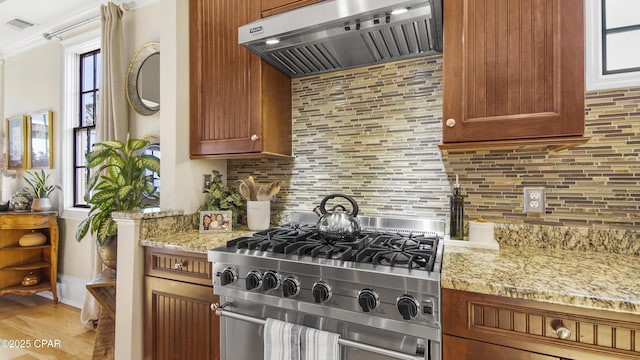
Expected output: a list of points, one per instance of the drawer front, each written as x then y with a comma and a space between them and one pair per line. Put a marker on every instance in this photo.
552, 329
25, 221
178, 265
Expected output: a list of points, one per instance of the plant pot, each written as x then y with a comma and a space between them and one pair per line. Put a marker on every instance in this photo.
108, 252
41, 204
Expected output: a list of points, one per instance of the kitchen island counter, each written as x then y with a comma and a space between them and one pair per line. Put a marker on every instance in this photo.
593, 280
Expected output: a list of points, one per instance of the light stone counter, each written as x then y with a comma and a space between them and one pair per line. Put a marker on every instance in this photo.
193, 241
594, 280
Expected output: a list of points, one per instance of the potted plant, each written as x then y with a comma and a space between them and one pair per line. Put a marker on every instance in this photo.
121, 180
221, 197
39, 190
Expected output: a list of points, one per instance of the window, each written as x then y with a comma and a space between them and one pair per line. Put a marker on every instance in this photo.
620, 29
84, 133
80, 96
612, 30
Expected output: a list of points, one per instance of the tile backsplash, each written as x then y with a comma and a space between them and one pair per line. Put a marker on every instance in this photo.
373, 133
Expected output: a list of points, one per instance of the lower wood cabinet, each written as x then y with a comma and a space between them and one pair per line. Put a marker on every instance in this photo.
179, 323
460, 348
477, 326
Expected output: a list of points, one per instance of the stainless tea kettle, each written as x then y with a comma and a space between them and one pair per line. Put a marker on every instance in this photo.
337, 223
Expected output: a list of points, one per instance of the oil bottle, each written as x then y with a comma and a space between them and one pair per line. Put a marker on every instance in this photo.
456, 207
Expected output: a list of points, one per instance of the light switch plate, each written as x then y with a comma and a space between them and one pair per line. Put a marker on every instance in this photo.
534, 200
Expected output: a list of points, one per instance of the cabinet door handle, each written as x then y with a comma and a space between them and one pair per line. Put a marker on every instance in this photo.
451, 122
561, 331
255, 137
178, 266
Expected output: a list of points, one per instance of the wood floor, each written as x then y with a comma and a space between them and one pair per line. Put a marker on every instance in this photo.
44, 331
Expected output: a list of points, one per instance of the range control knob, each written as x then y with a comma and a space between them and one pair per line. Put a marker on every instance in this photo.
270, 280
321, 292
253, 280
228, 276
290, 287
407, 306
368, 299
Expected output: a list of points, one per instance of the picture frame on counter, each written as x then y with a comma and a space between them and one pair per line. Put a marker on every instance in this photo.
15, 130
39, 140
215, 221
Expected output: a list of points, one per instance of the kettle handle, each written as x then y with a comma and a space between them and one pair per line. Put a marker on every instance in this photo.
354, 204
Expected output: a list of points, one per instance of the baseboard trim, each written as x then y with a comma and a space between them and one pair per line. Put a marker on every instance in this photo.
71, 290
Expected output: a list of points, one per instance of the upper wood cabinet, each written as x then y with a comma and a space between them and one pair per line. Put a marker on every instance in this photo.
240, 106
513, 70
272, 7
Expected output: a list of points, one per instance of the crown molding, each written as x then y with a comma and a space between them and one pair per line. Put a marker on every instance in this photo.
37, 39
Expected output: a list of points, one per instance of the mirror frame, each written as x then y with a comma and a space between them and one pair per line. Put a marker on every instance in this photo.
133, 96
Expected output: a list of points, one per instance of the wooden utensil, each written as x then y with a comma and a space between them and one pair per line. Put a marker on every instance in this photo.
244, 190
252, 188
263, 193
274, 188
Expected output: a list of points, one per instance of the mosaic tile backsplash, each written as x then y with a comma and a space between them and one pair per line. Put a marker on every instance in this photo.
373, 132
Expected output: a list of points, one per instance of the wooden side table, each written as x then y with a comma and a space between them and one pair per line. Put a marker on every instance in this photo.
103, 288
18, 261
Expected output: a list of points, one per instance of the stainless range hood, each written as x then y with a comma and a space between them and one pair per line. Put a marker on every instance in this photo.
340, 34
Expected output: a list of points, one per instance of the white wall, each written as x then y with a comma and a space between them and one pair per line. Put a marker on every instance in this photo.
180, 177
140, 27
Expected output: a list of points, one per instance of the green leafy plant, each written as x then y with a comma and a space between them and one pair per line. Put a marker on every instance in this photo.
221, 197
120, 181
37, 184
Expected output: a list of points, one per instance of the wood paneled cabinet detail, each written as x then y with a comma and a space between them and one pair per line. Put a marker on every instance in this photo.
513, 73
479, 327
240, 107
18, 261
178, 320
272, 7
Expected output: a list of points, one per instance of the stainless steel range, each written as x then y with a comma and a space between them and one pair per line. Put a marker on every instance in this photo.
380, 290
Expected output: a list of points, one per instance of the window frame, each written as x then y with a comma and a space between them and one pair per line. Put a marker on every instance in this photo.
73, 48
595, 56
81, 126
610, 31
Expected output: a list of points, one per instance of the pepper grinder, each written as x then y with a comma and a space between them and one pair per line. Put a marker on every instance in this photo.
456, 207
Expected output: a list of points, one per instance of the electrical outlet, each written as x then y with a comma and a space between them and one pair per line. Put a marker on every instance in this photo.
206, 182
534, 200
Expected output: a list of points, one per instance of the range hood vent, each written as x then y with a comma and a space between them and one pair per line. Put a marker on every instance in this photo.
341, 34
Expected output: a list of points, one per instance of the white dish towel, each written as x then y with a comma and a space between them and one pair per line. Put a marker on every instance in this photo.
286, 341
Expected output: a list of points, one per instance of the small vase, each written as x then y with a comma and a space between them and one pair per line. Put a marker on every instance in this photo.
21, 201
41, 204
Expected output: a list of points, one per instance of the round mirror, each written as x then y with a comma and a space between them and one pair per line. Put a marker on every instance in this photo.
143, 79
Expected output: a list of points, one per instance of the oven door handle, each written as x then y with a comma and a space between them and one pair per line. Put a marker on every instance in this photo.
219, 310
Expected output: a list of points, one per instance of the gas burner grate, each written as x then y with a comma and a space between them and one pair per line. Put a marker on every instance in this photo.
408, 250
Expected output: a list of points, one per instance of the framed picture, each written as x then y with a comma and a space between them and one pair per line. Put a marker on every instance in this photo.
215, 221
16, 142
39, 139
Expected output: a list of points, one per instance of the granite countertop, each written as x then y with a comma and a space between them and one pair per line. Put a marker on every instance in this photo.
193, 241
594, 280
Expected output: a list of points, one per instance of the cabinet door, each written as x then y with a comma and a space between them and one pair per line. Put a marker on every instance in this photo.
225, 79
513, 69
179, 323
455, 348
